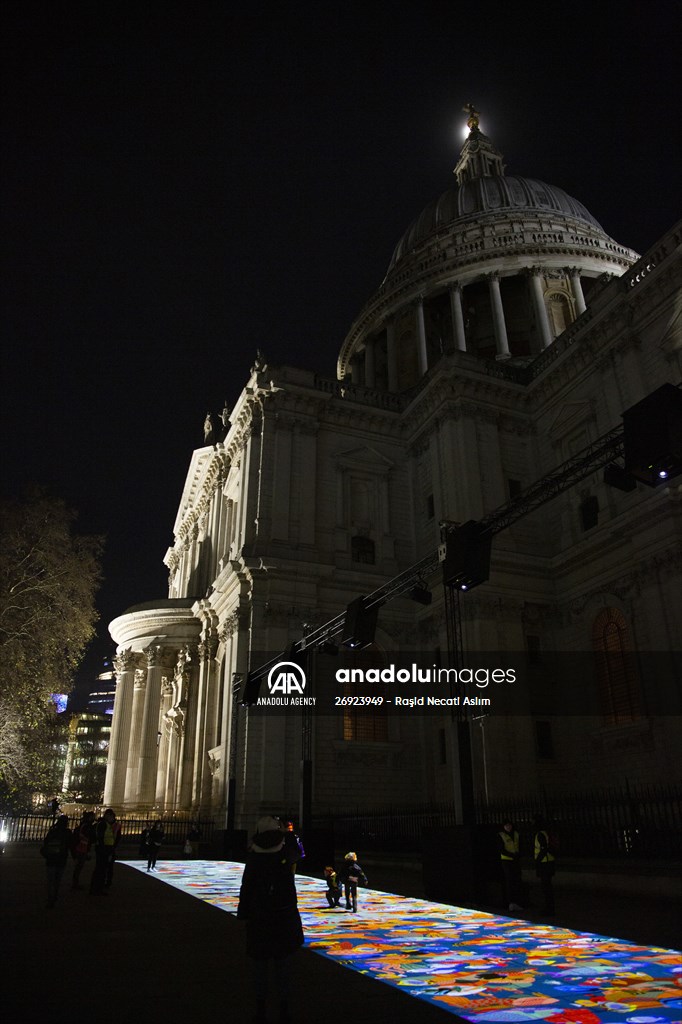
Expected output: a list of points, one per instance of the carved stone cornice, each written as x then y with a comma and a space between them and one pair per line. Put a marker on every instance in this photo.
154, 655
124, 661
208, 648
235, 621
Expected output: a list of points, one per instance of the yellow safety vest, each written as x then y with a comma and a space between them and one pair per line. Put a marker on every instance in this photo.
511, 845
542, 854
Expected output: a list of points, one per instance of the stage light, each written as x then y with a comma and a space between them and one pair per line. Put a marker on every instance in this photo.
360, 624
616, 476
421, 594
652, 436
467, 556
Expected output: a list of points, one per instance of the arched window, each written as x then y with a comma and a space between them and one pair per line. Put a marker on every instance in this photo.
620, 695
559, 310
365, 725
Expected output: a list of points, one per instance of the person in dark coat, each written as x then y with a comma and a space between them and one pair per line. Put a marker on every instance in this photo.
510, 862
107, 838
269, 905
545, 863
82, 838
55, 850
351, 876
154, 840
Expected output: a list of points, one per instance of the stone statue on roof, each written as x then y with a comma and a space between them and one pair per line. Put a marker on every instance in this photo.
209, 431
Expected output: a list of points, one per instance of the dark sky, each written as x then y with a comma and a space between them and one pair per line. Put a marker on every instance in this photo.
182, 184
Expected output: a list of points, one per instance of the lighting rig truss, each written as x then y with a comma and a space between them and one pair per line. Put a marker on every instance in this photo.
605, 452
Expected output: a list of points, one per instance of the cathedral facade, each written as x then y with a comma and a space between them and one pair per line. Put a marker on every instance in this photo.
509, 334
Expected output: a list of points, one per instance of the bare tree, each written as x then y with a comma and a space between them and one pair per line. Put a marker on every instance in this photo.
48, 580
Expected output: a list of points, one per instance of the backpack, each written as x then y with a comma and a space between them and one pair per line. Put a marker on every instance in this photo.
79, 843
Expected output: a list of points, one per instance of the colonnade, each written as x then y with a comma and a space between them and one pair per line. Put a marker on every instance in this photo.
364, 370
165, 720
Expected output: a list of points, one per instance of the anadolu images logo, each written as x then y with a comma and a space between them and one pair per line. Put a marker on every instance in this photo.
286, 677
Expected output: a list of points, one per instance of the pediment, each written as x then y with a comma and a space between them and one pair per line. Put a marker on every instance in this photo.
363, 458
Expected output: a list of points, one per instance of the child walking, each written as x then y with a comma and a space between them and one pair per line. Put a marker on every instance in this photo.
352, 875
333, 892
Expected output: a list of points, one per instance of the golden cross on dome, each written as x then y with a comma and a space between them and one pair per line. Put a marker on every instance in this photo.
472, 121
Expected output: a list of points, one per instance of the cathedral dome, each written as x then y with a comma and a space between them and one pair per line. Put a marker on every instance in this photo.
498, 266
494, 194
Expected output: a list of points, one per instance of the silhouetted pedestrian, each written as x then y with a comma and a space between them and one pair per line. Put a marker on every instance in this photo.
545, 863
334, 891
55, 850
144, 839
107, 837
194, 838
269, 905
82, 838
351, 876
154, 842
510, 860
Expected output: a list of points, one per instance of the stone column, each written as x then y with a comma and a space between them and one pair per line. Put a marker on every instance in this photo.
458, 334
119, 741
207, 649
540, 308
149, 738
499, 325
574, 275
213, 710
391, 356
421, 336
165, 729
131, 797
370, 367
186, 757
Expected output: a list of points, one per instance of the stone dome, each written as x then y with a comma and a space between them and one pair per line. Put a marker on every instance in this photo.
494, 195
498, 267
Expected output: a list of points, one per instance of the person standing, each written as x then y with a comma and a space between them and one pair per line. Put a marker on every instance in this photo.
81, 841
55, 850
194, 838
154, 841
334, 891
144, 839
351, 875
545, 864
107, 838
510, 860
269, 905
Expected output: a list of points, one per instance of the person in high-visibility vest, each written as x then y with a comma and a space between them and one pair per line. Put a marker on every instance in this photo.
511, 865
545, 863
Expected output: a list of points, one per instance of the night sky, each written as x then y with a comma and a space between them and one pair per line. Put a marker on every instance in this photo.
182, 184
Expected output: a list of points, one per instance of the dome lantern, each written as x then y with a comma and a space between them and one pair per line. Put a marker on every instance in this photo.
479, 157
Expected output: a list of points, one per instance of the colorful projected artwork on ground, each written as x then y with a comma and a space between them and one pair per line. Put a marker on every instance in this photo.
479, 966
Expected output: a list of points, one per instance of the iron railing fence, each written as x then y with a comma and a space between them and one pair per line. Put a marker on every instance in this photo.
28, 827
618, 822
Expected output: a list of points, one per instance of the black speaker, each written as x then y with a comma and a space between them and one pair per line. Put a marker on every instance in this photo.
251, 689
360, 624
467, 556
652, 436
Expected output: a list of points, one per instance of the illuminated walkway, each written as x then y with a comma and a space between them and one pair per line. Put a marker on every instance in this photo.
478, 966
